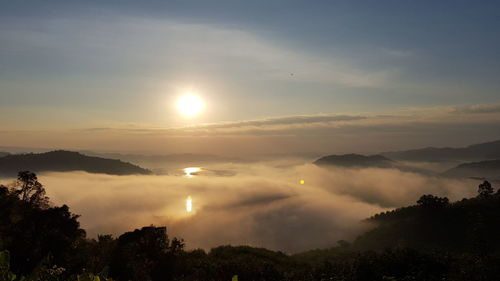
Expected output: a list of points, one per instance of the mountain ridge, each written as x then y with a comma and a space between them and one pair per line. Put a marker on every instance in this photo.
474, 152
355, 160
63, 161
488, 169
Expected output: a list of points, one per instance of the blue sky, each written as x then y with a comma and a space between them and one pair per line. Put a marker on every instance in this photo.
77, 65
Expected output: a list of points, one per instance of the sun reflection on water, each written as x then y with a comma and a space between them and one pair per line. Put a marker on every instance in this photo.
191, 171
189, 204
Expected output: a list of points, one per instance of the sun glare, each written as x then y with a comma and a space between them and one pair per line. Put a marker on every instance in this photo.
190, 105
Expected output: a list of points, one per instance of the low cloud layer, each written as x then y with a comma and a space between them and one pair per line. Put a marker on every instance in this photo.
262, 205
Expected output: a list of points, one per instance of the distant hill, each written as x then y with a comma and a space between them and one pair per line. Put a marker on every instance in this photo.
2, 154
355, 160
182, 157
476, 152
484, 169
62, 161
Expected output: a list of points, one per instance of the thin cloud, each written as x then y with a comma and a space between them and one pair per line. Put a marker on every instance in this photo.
477, 109
402, 121
170, 45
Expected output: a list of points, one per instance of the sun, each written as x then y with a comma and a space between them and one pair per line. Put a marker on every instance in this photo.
190, 105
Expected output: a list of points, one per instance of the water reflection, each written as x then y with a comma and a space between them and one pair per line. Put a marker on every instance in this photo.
189, 204
191, 171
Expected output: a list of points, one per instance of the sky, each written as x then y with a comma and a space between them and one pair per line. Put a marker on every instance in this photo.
276, 76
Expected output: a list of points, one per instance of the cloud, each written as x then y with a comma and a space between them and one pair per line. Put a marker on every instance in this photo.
477, 109
399, 121
456, 121
272, 125
289, 120
151, 47
262, 205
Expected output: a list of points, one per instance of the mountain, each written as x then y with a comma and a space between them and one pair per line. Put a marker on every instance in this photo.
355, 160
62, 161
484, 169
2, 154
476, 152
184, 159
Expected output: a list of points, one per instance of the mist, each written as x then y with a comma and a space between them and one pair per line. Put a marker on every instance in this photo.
257, 204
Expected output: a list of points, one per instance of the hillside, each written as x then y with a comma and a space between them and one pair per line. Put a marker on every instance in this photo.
482, 151
355, 160
62, 161
2, 154
484, 169
469, 225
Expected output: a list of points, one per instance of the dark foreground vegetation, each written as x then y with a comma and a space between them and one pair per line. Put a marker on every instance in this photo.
433, 240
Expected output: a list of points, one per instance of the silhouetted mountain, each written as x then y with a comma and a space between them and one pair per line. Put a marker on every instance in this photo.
23, 150
483, 151
62, 161
356, 160
484, 169
469, 225
184, 157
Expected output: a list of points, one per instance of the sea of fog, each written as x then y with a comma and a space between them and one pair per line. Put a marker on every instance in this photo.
282, 205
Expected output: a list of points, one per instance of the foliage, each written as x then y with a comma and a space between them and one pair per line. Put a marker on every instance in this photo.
5, 273
90, 277
470, 225
34, 235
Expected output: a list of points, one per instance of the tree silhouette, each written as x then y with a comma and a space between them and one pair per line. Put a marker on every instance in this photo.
30, 190
35, 234
429, 200
141, 255
485, 189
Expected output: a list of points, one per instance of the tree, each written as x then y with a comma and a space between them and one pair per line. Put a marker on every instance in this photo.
429, 200
177, 246
30, 190
35, 234
142, 255
485, 189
